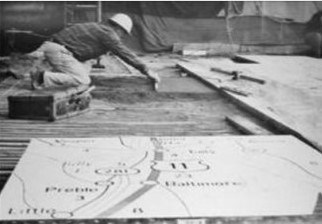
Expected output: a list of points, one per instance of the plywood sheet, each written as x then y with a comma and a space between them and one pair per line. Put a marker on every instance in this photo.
140, 177
288, 109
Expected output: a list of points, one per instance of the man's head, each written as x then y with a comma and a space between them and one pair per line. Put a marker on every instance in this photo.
123, 22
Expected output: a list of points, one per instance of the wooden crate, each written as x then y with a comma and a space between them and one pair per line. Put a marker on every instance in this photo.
51, 104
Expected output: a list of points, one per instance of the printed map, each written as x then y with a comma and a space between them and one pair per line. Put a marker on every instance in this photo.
145, 177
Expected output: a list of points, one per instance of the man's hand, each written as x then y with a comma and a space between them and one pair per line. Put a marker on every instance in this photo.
154, 76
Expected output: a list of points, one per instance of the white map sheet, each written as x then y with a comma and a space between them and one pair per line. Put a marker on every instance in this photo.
144, 177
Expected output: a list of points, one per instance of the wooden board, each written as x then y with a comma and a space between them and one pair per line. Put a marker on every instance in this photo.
206, 48
226, 49
247, 126
287, 109
163, 177
16, 147
300, 72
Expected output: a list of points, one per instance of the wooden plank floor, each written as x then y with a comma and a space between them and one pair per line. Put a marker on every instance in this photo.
121, 105
152, 114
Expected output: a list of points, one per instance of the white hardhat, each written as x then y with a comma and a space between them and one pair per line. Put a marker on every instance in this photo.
124, 21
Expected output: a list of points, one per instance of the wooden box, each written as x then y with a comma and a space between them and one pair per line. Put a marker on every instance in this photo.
49, 104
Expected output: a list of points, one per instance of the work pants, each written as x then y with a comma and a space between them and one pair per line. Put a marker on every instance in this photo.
66, 70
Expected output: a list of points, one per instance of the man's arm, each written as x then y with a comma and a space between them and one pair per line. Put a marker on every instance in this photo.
130, 58
120, 50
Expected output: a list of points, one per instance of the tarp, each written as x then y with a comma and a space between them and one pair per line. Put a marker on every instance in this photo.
192, 9
158, 25
297, 11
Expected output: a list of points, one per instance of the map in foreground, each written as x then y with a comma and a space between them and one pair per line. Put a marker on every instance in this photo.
163, 177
